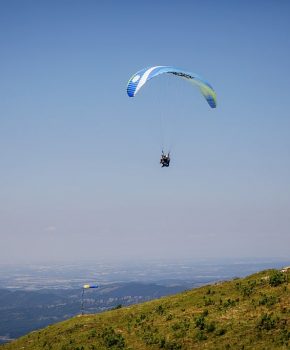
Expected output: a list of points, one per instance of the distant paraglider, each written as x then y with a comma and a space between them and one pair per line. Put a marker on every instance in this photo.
139, 79
86, 286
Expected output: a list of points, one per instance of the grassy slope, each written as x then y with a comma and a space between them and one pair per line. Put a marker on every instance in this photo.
240, 314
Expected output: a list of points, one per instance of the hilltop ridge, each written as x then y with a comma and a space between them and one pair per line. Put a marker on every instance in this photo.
247, 313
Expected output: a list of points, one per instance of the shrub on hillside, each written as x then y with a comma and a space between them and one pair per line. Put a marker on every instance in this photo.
210, 327
160, 310
229, 303
208, 301
200, 322
276, 278
221, 331
267, 300
113, 339
172, 345
266, 322
200, 336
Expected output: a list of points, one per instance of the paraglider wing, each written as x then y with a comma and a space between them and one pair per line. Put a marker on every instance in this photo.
87, 286
141, 77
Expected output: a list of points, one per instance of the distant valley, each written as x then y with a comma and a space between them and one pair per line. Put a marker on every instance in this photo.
33, 296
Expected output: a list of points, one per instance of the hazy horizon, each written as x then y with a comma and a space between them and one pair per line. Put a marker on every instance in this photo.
80, 175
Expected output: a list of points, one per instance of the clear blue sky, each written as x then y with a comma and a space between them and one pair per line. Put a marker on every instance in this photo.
79, 170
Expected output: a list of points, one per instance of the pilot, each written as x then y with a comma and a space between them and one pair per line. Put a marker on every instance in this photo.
165, 159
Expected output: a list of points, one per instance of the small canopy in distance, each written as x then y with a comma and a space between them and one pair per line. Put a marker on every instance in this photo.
87, 286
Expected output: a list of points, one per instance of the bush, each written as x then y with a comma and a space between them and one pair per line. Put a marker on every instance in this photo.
205, 313
208, 302
246, 290
150, 338
113, 339
267, 300
221, 331
176, 326
172, 346
276, 278
210, 327
140, 319
160, 310
162, 343
229, 303
200, 322
284, 336
266, 322
200, 336
168, 345
180, 328
92, 333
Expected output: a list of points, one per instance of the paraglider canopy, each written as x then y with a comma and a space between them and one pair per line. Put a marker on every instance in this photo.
87, 286
141, 77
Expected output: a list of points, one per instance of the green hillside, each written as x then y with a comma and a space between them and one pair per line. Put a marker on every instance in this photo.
249, 313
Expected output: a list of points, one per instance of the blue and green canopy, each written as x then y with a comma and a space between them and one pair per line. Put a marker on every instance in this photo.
140, 78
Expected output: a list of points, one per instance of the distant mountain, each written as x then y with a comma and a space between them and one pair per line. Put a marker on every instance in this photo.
248, 313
